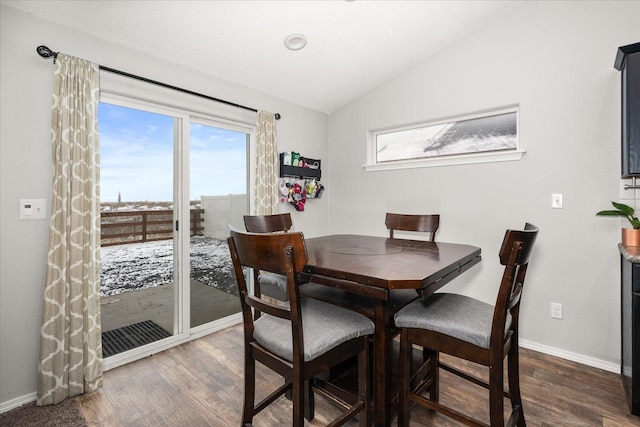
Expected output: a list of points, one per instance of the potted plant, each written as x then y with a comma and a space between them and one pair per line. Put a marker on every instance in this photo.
630, 236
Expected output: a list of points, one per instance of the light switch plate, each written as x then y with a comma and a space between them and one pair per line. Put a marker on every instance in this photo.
556, 201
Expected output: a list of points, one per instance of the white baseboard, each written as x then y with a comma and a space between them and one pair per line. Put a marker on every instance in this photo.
574, 357
17, 402
552, 351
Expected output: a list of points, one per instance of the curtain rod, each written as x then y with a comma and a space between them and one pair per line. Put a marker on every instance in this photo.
45, 52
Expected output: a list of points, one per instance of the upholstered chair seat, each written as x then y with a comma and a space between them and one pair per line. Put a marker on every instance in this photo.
454, 315
324, 327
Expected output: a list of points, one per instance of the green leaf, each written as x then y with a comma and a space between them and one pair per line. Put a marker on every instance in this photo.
627, 210
611, 213
622, 210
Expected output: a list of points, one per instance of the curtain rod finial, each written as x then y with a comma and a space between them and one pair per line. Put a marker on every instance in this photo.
277, 116
45, 52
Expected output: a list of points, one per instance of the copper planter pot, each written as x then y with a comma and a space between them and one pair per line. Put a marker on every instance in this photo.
630, 237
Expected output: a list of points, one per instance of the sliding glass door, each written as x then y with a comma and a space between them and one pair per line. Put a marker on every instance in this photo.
218, 188
170, 186
137, 280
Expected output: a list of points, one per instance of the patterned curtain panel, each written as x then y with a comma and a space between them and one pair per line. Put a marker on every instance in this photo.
70, 342
266, 202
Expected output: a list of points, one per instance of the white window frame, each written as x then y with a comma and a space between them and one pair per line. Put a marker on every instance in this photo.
373, 165
130, 93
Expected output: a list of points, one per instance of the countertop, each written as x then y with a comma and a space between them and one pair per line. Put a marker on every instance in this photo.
631, 253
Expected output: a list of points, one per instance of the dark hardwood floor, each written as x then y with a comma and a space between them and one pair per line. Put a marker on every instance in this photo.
200, 384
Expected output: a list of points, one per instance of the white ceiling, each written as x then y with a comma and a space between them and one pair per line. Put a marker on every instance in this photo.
353, 45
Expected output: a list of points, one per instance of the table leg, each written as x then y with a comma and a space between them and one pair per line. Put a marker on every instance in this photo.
382, 365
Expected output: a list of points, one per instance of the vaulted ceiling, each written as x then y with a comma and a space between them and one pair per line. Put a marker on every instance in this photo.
353, 46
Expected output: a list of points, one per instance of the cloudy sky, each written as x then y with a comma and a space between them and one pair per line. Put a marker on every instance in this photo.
136, 157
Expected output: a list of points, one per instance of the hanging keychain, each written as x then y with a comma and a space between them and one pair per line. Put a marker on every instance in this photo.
284, 190
310, 188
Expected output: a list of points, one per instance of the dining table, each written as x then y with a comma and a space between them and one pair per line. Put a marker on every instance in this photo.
377, 276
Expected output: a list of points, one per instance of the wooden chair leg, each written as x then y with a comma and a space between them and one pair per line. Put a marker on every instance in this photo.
249, 388
405, 380
363, 385
289, 393
514, 384
298, 400
256, 292
434, 371
309, 401
496, 394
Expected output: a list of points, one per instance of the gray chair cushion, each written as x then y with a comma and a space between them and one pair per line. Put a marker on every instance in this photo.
324, 326
455, 315
273, 285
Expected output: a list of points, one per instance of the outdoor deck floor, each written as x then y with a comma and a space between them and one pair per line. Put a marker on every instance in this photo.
156, 304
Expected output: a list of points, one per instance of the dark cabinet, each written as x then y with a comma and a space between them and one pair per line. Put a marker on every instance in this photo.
628, 62
630, 368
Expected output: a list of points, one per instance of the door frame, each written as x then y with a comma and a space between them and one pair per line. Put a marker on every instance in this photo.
182, 332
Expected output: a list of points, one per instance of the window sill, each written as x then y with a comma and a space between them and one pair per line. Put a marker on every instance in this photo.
463, 159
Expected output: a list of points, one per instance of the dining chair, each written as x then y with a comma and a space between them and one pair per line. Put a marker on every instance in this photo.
472, 330
268, 223
300, 340
403, 222
269, 284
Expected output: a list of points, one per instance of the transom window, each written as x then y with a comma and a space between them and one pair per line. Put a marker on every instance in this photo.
486, 137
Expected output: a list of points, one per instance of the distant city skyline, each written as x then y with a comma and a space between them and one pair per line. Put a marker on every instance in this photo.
136, 157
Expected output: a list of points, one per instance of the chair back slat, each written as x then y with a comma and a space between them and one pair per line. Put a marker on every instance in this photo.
422, 223
515, 296
515, 250
267, 307
266, 251
527, 237
272, 252
267, 223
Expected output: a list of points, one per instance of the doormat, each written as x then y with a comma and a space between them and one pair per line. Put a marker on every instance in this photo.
129, 337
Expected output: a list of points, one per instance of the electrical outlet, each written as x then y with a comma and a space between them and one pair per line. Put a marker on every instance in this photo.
556, 310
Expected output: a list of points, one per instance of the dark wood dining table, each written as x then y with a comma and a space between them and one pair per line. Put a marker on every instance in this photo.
377, 276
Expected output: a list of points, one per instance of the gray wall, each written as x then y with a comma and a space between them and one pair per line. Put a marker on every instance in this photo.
25, 168
554, 59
